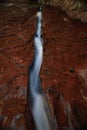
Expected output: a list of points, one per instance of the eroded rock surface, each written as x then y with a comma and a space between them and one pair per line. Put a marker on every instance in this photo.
63, 73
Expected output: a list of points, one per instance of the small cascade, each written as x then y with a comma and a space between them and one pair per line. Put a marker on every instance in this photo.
36, 98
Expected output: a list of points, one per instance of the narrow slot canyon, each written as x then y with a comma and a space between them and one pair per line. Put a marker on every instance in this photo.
64, 68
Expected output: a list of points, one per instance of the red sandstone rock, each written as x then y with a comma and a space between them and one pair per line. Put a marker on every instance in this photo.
65, 46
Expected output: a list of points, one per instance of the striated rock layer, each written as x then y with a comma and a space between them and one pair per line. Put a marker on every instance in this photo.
77, 9
63, 73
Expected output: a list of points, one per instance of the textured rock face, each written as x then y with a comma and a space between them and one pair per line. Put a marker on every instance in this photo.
74, 8
12, 1
64, 69
68, 3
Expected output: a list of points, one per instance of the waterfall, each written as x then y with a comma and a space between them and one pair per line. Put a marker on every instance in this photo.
36, 98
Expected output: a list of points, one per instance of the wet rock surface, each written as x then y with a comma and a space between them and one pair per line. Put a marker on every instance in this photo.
63, 73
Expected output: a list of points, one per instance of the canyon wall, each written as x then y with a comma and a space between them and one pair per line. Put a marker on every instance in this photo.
76, 9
